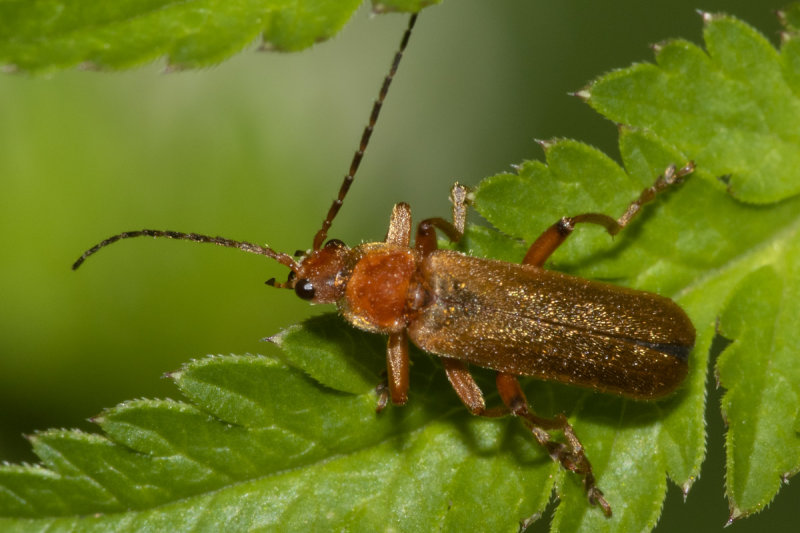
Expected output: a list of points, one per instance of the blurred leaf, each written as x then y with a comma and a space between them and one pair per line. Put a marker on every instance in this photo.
44, 35
790, 18
406, 6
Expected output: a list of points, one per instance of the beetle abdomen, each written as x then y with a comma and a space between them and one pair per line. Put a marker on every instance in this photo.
529, 321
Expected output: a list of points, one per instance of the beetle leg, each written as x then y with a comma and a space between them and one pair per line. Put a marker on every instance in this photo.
570, 455
425, 241
382, 390
551, 239
400, 225
458, 197
466, 388
670, 176
397, 367
395, 387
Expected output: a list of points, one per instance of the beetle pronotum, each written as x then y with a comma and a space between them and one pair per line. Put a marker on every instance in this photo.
516, 319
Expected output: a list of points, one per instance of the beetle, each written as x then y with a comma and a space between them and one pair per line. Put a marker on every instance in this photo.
515, 319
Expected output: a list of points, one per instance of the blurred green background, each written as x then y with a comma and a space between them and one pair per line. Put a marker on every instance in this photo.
255, 149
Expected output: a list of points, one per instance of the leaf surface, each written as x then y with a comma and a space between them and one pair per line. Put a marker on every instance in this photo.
45, 35
763, 392
734, 106
263, 445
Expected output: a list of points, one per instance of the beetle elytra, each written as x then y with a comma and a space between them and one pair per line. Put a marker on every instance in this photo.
515, 319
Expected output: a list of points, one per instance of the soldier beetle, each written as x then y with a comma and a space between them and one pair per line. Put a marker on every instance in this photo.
515, 319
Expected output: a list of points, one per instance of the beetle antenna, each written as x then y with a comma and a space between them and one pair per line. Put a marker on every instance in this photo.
322, 234
281, 258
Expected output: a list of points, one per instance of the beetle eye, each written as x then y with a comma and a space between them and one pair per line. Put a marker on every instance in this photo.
334, 243
304, 289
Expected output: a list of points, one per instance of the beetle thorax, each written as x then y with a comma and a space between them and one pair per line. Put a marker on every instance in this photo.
380, 277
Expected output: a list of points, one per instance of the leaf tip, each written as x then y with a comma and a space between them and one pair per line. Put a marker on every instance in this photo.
280, 337
89, 66
528, 522
274, 339
379, 7
174, 375
686, 487
545, 144
266, 46
706, 16
171, 68
735, 515
658, 46
782, 17
584, 94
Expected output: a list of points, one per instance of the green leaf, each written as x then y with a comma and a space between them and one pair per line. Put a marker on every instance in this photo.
333, 355
761, 405
734, 106
405, 6
264, 443
44, 35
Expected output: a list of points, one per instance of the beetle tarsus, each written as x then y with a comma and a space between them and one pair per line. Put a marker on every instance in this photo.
570, 454
596, 498
382, 390
671, 176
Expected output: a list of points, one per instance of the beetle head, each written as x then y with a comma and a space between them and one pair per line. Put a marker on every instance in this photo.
317, 276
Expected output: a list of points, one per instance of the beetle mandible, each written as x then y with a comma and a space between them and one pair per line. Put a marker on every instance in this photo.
515, 319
